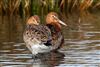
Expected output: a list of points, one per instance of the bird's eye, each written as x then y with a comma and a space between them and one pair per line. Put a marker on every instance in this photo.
52, 15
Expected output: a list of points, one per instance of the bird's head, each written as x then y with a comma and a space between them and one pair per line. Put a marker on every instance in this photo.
34, 20
52, 19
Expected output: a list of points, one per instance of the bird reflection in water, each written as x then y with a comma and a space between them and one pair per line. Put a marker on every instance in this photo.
49, 59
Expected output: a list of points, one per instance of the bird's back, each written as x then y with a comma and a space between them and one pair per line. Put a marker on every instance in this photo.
37, 38
38, 32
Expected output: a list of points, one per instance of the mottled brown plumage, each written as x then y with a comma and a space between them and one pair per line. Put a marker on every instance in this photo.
43, 38
37, 36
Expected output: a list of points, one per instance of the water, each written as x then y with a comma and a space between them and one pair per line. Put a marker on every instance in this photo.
81, 48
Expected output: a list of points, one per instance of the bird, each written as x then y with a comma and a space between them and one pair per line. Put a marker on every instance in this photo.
36, 36
41, 38
54, 24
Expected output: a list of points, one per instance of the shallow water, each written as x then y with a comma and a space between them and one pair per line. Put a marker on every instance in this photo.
81, 48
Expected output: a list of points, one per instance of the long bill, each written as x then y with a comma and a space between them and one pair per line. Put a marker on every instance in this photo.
61, 22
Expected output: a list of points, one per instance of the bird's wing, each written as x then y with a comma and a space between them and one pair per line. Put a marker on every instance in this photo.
38, 32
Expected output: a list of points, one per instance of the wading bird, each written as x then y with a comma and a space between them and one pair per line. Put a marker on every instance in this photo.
37, 37
54, 24
43, 38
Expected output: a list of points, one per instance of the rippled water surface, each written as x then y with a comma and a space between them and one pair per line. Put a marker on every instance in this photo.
81, 48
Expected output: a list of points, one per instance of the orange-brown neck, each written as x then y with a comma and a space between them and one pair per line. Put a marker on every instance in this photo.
56, 25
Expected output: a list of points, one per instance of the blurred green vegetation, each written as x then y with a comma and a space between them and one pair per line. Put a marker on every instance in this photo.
30, 7
14, 13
